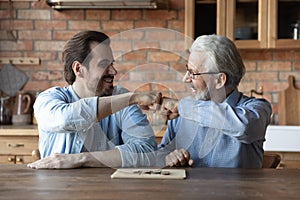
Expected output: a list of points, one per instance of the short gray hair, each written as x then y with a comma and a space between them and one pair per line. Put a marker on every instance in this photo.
223, 55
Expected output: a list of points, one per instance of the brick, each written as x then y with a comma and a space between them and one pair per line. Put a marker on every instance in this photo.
159, 87
14, 5
178, 67
150, 23
117, 25
175, 86
158, 34
83, 25
111, 33
176, 25
256, 54
123, 46
63, 35
16, 46
250, 65
127, 14
297, 66
42, 55
97, 14
151, 67
176, 46
274, 86
124, 66
40, 76
152, 76
28, 67
9, 53
40, 5
35, 35
6, 14
160, 14
138, 45
121, 76
146, 87
287, 55
16, 24
68, 15
163, 57
50, 25
274, 66
133, 34
37, 85
261, 76
56, 75
8, 35
49, 45
275, 97
133, 86
181, 15
246, 87
267, 96
54, 66
284, 76
59, 84
176, 4
134, 56
33, 14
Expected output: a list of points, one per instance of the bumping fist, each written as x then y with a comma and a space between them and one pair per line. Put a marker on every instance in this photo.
147, 100
169, 108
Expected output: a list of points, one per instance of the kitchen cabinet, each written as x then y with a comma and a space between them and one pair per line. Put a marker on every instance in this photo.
18, 144
251, 24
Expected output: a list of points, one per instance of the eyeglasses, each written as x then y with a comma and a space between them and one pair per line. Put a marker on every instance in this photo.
192, 75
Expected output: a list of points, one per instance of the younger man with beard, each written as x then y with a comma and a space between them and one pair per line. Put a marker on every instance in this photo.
91, 123
217, 126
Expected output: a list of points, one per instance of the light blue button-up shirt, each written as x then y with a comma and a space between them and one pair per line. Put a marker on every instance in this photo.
69, 125
228, 134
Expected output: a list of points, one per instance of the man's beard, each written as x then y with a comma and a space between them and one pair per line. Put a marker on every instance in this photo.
202, 95
102, 93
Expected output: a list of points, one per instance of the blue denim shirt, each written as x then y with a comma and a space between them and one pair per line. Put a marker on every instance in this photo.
228, 134
69, 125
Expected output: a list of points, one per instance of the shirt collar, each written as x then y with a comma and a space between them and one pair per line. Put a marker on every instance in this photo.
233, 98
73, 94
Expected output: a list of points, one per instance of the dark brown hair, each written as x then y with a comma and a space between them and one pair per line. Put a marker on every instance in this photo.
78, 48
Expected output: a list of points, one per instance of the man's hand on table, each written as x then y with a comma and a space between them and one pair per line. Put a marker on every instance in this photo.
58, 161
179, 158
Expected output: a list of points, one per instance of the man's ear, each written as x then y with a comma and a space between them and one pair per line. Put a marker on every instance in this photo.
77, 68
221, 80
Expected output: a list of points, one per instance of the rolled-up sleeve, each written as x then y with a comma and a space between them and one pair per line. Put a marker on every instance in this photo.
247, 121
138, 137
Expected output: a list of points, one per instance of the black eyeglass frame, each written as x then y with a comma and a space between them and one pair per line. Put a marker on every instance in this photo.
192, 75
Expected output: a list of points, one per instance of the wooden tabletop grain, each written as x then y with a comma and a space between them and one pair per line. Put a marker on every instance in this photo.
20, 182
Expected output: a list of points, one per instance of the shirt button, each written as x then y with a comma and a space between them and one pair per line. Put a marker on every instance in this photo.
78, 142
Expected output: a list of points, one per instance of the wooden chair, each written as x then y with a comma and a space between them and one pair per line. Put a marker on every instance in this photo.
271, 160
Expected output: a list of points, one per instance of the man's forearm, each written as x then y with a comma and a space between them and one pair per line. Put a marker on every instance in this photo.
111, 158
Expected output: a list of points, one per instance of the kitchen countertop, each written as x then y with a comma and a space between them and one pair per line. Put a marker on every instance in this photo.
27, 130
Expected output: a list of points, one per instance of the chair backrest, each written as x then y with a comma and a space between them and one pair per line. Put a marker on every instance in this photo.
271, 160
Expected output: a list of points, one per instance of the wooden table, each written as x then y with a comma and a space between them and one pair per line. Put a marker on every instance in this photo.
19, 182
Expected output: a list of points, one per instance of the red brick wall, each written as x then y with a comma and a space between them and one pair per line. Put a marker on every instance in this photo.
41, 32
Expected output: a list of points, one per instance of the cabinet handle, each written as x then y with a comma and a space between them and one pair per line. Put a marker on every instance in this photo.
35, 153
11, 159
19, 159
15, 145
